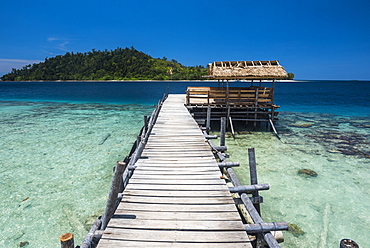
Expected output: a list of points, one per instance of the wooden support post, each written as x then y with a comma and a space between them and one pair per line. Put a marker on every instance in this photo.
138, 140
249, 188
232, 127
269, 238
228, 164
223, 131
210, 136
220, 148
255, 110
252, 166
89, 237
145, 123
272, 93
188, 97
253, 175
208, 124
66, 240
228, 113
113, 194
274, 129
227, 95
266, 227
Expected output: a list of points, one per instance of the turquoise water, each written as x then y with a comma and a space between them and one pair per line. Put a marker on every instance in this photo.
332, 206
56, 174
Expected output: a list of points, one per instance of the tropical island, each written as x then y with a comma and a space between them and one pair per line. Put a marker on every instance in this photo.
118, 64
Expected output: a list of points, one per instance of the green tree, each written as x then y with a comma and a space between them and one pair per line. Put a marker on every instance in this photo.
290, 76
119, 64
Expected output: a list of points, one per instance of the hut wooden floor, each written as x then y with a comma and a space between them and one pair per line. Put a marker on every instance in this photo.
176, 197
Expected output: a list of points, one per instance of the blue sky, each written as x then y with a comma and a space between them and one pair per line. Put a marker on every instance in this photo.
314, 39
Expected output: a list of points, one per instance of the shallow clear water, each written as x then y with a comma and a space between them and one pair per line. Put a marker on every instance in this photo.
56, 176
55, 172
332, 206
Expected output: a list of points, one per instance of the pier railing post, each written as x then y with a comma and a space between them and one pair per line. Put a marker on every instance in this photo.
223, 131
113, 194
66, 240
145, 123
208, 123
253, 176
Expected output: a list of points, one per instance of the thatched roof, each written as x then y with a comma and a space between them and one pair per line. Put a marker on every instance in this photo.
246, 70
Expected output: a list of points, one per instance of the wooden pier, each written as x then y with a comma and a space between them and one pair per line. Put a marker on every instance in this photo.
176, 196
176, 189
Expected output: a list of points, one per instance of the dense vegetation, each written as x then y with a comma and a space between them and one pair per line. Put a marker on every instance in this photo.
290, 76
118, 64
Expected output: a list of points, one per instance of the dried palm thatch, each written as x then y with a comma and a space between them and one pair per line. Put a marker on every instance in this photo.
246, 70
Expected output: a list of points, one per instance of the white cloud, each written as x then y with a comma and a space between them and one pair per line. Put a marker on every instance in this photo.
59, 43
52, 39
6, 65
62, 46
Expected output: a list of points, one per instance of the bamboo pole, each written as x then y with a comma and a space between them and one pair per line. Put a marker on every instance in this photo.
274, 129
228, 114
249, 188
228, 164
253, 175
223, 131
269, 238
145, 123
255, 110
266, 227
272, 93
232, 127
113, 194
66, 240
208, 124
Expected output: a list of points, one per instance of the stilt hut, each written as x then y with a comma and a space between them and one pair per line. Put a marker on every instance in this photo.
252, 103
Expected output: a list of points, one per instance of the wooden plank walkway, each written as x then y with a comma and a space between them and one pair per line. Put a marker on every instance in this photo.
176, 197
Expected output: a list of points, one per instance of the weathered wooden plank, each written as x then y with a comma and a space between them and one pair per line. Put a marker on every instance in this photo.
176, 235
136, 238
176, 196
184, 183
178, 171
155, 244
188, 225
173, 148
176, 165
178, 207
184, 193
177, 200
170, 148
176, 154
153, 215
188, 176
179, 174
173, 187
158, 159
